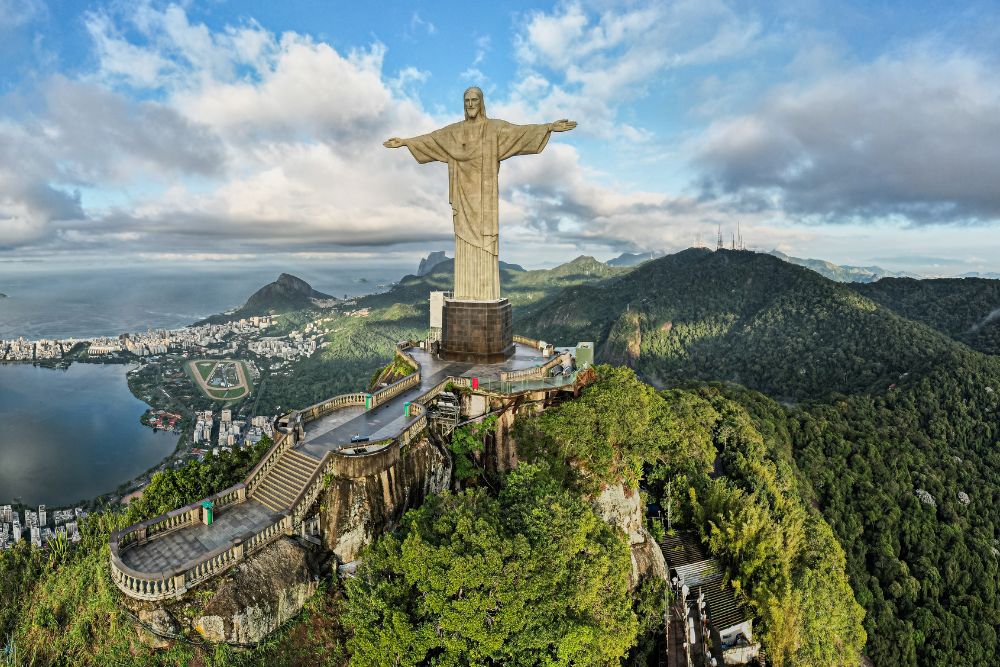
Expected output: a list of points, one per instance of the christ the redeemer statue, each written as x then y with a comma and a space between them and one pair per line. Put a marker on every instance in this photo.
473, 149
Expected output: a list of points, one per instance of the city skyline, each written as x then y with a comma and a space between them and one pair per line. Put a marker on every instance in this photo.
163, 132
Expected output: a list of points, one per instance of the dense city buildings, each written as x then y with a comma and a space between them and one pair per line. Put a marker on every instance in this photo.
36, 528
157, 342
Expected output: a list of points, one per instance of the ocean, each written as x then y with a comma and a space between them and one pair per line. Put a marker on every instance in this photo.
53, 302
75, 434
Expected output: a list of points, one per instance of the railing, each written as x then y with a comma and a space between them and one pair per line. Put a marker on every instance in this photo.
176, 581
381, 454
564, 359
529, 384
524, 340
386, 394
256, 476
322, 409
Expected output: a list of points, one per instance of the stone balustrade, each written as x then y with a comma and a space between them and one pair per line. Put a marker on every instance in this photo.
542, 371
530, 342
328, 406
348, 462
256, 476
386, 394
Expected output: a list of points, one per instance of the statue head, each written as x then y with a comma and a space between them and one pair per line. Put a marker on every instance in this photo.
475, 106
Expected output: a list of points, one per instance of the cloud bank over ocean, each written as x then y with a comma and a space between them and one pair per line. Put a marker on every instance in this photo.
174, 131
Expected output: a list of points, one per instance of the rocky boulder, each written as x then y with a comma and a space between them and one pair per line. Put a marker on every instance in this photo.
257, 596
623, 508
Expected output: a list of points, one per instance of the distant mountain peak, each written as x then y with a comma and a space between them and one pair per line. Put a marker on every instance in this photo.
286, 293
634, 258
843, 273
428, 263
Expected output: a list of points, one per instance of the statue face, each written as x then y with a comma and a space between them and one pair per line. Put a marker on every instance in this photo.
472, 104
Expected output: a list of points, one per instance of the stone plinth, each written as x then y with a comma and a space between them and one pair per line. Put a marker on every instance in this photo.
477, 331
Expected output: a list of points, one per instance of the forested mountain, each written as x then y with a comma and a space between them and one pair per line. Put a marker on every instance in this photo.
967, 309
743, 317
892, 424
840, 272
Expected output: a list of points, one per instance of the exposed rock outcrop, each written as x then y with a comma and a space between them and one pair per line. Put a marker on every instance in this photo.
243, 606
259, 595
358, 509
428, 263
159, 624
623, 509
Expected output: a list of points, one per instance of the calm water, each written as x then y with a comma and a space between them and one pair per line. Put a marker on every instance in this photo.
45, 302
71, 434
75, 434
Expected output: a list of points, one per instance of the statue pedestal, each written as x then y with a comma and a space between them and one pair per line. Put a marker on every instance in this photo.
477, 331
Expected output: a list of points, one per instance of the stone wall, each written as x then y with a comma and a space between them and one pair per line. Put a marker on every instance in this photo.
623, 508
243, 606
356, 510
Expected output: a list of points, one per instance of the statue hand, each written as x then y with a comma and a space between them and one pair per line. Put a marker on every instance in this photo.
394, 142
563, 125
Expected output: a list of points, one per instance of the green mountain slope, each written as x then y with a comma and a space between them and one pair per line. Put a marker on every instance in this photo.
743, 317
967, 309
896, 428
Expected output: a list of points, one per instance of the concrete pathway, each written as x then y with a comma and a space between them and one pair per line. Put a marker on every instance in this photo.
330, 433
167, 552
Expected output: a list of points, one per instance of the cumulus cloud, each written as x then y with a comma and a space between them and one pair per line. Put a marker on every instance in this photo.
552, 198
590, 61
912, 138
17, 13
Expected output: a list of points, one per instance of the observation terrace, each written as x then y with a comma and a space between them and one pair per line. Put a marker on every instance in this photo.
165, 556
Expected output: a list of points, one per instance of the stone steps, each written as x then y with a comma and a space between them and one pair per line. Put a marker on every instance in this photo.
285, 480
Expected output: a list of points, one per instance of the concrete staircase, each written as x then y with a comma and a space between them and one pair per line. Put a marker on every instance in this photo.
285, 480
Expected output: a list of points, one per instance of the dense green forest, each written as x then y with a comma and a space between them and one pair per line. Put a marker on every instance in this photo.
892, 424
966, 309
742, 317
530, 575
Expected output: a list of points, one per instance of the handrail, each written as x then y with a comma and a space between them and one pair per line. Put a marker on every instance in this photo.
285, 441
524, 340
174, 582
538, 371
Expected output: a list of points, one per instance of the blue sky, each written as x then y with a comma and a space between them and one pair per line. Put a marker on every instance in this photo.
861, 133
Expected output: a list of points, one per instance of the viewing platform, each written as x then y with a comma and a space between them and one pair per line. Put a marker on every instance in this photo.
344, 436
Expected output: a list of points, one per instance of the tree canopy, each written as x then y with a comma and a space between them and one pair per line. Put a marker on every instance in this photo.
532, 576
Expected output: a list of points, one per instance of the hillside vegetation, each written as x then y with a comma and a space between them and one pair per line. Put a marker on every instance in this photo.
966, 309
740, 317
891, 423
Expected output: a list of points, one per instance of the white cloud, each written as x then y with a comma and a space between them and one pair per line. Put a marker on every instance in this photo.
912, 138
17, 13
591, 63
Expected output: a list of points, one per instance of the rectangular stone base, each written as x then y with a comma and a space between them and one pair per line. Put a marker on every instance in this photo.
477, 331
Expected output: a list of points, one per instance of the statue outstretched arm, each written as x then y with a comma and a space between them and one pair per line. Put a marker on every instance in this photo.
424, 148
563, 125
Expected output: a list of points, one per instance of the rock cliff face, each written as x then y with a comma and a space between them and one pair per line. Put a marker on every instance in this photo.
428, 263
256, 598
620, 508
245, 605
623, 508
358, 509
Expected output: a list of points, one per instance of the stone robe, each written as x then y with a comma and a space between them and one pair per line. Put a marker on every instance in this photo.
473, 151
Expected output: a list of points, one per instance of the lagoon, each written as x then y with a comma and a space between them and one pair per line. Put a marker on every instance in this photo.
71, 434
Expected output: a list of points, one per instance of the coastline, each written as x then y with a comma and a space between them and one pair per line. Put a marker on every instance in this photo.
136, 482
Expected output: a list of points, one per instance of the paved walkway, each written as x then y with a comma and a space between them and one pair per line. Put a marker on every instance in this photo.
330, 433
334, 431
177, 548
